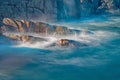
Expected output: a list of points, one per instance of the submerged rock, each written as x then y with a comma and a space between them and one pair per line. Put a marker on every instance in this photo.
24, 38
70, 43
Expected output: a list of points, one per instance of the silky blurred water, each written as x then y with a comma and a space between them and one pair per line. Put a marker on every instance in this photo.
100, 61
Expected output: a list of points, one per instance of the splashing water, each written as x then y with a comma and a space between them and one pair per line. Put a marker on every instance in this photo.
97, 37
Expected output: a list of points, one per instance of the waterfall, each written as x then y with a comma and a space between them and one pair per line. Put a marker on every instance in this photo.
68, 9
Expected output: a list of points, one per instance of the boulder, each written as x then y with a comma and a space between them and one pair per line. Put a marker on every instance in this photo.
63, 42
70, 43
10, 22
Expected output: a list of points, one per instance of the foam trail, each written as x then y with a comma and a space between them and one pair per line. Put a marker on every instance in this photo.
37, 44
97, 37
82, 62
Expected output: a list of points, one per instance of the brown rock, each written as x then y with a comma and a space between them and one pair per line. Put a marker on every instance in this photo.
60, 30
34, 27
27, 23
8, 21
70, 43
24, 38
20, 27
43, 27
63, 42
12, 36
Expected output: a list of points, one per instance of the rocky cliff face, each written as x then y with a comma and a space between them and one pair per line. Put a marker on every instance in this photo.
28, 9
54, 9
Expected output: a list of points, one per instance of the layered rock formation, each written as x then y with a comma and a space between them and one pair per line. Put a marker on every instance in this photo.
54, 9
19, 29
23, 30
24, 26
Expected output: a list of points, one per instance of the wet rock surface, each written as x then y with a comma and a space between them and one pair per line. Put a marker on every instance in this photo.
24, 26
70, 43
23, 30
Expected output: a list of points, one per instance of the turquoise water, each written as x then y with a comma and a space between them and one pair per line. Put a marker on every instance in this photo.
100, 61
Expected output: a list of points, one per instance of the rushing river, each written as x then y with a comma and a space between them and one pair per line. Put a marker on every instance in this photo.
100, 61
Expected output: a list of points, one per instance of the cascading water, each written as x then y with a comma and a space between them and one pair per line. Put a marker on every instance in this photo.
68, 9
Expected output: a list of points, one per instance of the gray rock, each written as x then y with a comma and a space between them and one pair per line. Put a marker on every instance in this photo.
54, 9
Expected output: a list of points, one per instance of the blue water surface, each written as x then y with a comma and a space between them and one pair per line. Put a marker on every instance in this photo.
101, 62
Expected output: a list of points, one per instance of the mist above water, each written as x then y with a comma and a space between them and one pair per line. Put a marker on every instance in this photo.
99, 60
97, 27
22, 60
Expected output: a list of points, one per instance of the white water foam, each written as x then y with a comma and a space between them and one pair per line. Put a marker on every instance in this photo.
37, 44
94, 39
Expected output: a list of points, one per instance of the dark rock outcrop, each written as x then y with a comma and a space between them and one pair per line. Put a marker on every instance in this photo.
54, 9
